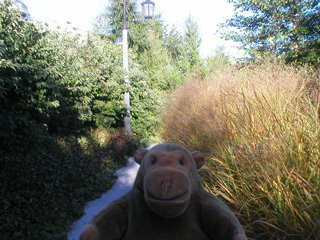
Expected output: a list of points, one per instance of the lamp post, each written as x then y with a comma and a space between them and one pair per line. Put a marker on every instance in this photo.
148, 12
127, 120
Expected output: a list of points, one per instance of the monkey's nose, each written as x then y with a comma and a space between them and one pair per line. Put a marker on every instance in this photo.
166, 185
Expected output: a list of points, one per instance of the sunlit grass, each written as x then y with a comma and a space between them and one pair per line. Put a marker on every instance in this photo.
259, 127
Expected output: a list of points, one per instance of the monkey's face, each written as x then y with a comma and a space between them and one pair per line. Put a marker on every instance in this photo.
167, 185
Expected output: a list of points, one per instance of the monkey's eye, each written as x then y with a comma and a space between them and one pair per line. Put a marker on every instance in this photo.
181, 162
154, 161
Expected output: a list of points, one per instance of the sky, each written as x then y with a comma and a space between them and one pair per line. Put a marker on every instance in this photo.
207, 13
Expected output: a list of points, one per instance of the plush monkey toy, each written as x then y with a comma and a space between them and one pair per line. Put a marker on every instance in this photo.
167, 202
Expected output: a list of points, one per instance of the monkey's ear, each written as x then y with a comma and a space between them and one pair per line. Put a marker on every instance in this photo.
139, 154
198, 158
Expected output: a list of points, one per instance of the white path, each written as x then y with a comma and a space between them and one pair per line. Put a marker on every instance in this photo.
124, 183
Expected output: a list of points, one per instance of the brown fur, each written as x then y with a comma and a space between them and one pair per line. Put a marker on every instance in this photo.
167, 202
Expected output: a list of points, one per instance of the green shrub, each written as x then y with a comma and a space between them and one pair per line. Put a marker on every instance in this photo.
54, 83
31, 94
259, 127
91, 69
43, 192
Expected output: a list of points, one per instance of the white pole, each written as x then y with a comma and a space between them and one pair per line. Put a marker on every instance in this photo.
127, 120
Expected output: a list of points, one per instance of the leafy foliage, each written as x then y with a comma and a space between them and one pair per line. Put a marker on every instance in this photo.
42, 192
153, 71
289, 29
163, 73
54, 84
190, 47
30, 91
91, 70
73, 82
220, 61
110, 22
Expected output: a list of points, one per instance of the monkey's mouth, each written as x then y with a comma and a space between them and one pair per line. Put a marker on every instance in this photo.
167, 199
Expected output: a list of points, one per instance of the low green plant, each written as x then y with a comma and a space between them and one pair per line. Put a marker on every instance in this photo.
43, 192
259, 127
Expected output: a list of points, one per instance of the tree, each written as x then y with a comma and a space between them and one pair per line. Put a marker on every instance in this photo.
173, 43
190, 49
109, 23
289, 29
153, 70
218, 62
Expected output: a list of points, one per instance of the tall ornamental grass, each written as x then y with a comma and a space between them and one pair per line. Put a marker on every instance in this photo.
259, 127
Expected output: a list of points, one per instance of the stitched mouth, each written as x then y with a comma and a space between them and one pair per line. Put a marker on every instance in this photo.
167, 199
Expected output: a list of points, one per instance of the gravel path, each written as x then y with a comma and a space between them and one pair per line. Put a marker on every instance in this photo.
124, 183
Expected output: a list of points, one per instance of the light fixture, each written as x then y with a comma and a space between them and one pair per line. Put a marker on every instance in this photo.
148, 9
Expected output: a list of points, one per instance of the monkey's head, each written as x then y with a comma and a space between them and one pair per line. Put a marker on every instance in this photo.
168, 177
